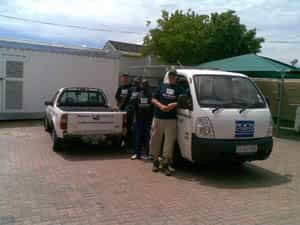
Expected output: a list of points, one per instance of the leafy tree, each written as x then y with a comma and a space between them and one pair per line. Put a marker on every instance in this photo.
191, 38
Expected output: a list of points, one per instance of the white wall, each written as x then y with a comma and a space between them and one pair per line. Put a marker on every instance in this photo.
45, 72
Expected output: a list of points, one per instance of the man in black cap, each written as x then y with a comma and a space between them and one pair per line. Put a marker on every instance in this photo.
164, 123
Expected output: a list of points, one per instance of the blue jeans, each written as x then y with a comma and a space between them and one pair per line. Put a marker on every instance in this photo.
142, 136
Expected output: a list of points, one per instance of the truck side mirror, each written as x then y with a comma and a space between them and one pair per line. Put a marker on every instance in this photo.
184, 102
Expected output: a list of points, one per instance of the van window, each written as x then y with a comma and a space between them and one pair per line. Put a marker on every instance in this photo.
227, 92
184, 88
183, 85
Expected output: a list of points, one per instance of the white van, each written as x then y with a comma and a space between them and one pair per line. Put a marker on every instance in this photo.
222, 116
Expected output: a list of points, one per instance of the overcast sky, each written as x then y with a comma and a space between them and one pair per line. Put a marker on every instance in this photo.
275, 20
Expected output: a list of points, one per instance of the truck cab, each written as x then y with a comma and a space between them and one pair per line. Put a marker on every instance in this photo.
222, 116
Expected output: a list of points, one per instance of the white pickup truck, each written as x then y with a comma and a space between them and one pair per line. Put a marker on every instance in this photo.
83, 113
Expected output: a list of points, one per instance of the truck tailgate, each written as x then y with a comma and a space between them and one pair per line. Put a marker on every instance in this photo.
95, 122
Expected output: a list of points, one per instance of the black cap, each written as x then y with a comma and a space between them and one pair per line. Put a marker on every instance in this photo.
144, 81
172, 72
136, 80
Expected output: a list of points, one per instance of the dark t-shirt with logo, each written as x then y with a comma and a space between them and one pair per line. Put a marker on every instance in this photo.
144, 108
166, 94
122, 96
134, 92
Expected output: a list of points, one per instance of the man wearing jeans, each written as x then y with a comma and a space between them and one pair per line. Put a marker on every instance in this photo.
164, 123
143, 114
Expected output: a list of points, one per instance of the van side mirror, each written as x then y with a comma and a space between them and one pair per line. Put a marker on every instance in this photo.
268, 101
48, 103
185, 102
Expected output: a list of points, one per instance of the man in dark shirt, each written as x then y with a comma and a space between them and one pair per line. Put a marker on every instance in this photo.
134, 92
143, 113
123, 93
164, 122
123, 97
130, 109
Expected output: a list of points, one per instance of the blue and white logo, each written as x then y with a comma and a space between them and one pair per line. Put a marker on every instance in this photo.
244, 128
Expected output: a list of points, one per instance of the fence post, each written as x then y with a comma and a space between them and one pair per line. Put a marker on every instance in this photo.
280, 103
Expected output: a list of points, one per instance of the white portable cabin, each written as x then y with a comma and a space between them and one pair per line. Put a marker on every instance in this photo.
31, 73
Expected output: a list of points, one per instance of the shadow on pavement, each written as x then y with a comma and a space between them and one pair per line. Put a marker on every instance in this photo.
246, 176
86, 152
20, 123
289, 134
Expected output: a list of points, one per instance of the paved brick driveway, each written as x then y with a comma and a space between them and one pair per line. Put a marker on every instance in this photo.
93, 186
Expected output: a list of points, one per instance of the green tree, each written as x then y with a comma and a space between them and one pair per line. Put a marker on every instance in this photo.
191, 38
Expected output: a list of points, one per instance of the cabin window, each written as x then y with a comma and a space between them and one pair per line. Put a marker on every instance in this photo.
14, 95
14, 69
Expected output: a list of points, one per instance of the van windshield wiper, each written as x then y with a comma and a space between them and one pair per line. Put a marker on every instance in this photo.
247, 106
243, 109
220, 106
217, 108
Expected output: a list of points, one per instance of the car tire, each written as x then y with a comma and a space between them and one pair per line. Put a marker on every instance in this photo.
46, 124
57, 143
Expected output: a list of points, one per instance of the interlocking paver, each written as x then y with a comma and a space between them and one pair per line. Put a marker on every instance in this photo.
88, 186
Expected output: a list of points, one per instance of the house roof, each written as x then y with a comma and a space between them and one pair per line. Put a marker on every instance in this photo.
47, 47
249, 63
126, 47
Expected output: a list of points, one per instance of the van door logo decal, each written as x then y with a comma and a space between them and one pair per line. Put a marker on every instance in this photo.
244, 128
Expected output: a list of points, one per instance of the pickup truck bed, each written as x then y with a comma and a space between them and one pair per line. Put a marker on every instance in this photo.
83, 113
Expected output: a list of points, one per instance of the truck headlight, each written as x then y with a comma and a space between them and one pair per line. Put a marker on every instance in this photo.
270, 128
204, 128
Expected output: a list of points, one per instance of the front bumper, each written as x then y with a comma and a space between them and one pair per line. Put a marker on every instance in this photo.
225, 150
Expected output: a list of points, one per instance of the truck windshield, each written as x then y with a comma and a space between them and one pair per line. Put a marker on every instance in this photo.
82, 98
227, 92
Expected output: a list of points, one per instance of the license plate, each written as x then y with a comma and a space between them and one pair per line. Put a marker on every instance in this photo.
246, 149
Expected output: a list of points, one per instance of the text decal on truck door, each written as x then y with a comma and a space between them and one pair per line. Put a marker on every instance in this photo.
244, 128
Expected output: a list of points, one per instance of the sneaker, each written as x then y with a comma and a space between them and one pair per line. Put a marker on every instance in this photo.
167, 172
160, 166
123, 144
149, 157
155, 166
172, 169
135, 156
